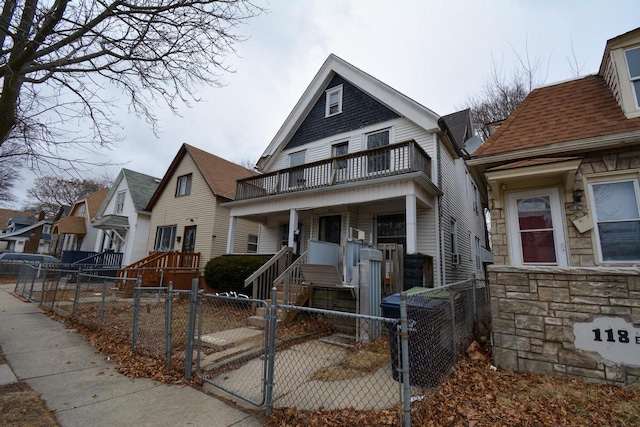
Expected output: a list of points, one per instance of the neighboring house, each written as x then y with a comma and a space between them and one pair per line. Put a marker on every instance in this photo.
563, 172
75, 232
26, 232
186, 211
5, 216
357, 161
122, 219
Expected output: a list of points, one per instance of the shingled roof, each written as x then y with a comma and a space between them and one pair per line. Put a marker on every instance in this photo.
220, 174
569, 111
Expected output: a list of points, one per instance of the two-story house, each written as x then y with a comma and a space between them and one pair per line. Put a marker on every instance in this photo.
186, 208
26, 232
564, 177
357, 160
122, 218
75, 232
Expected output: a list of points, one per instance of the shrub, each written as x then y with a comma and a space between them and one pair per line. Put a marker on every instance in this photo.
228, 272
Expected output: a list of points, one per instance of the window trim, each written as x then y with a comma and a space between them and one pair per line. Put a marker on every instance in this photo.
251, 243
328, 105
187, 188
559, 226
608, 179
119, 202
633, 79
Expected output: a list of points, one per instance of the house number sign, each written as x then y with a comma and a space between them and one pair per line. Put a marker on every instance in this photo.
613, 338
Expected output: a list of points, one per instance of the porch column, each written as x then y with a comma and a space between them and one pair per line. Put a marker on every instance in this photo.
412, 229
232, 234
293, 227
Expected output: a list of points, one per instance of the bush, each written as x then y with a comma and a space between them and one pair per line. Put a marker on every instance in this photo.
228, 272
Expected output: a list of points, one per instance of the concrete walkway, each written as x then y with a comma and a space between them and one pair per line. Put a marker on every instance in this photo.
86, 390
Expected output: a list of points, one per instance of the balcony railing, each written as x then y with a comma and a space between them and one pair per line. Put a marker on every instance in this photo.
379, 162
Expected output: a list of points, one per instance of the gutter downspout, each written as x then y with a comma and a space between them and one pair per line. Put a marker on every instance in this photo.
441, 237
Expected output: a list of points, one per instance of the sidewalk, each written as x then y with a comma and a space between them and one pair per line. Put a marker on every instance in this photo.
84, 389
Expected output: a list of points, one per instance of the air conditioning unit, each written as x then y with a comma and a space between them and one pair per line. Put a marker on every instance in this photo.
355, 234
455, 259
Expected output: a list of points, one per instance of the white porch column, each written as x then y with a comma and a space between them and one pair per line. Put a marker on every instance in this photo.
293, 226
232, 234
412, 228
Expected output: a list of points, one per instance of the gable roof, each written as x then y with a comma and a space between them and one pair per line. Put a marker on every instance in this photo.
459, 124
7, 214
141, 188
92, 201
560, 119
386, 95
220, 174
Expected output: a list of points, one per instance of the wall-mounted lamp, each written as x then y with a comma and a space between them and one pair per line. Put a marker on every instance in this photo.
179, 238
577, 195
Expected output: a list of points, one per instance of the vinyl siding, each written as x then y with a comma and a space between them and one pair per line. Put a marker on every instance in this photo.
200, 205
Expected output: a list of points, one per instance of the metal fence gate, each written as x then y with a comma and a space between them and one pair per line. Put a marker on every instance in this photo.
232, 345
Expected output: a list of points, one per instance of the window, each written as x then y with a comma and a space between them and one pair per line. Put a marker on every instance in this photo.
380, 160
536, 228
165, 236
476, 203
478, 258
119, 202
81, 209
391, 228
633, 64
338, 150
296, 176
454, 237
252, 244
333, 104
184, 185
617, 219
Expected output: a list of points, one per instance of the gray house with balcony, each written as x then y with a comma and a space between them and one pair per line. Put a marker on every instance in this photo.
357, 162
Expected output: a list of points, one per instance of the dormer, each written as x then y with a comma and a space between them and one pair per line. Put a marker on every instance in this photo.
620, 68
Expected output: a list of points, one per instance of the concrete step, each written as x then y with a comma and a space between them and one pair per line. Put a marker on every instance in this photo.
224, 340
260, 321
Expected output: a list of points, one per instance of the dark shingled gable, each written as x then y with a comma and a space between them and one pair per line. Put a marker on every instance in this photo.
358, 110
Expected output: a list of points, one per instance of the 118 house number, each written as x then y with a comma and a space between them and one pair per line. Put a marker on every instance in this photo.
613, 338
622, 336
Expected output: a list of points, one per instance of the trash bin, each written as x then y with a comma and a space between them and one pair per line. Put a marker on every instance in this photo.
430, 352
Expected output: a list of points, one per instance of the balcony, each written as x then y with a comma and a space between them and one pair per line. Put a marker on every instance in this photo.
390, 160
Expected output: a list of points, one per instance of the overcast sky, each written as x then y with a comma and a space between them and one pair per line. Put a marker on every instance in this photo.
437, 52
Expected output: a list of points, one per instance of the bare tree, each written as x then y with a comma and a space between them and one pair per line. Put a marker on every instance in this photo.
49, 192
60, 62
9, 174
501, 93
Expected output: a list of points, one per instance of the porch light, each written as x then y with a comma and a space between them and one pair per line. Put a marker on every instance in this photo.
577, 195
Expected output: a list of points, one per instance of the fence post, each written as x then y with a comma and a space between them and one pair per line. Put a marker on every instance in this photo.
191, 328
55, 291
167, 322
272, 319
136, 311
404, 351
76, 294
33, 282
454, 338
104, 291
44, 285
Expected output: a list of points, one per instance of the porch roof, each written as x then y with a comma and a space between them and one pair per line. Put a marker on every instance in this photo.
112, 222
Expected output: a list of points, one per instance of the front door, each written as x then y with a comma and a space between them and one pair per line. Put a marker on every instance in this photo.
330, 229
536, 234
189, 242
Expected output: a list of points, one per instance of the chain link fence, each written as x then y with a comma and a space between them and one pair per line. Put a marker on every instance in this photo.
244, 347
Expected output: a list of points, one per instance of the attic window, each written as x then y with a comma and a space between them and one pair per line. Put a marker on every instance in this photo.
183, 187
333, 101
633, 64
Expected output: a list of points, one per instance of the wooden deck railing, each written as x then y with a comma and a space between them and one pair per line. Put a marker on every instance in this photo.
160, 268
385, 161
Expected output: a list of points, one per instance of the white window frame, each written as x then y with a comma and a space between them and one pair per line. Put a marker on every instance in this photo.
633, 79
557, 215
596, 232
119, 204
328, 104
252, 243
160, 231
183, 185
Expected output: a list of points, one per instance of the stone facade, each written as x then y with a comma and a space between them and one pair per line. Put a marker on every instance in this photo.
534, 310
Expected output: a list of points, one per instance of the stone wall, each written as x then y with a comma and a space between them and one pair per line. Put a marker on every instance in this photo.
534, 310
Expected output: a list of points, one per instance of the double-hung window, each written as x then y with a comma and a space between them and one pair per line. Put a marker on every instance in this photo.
617, 219
338, 150
119, 207
252, 244
380, 159
633, 65
333, 103
183, 187
296, 174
